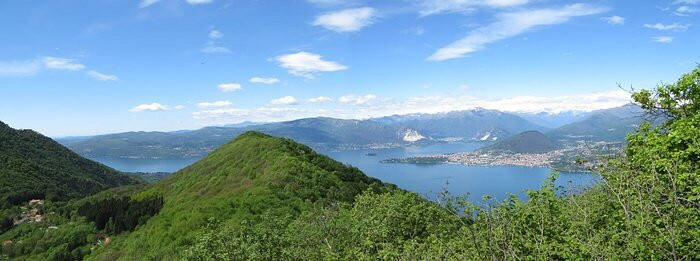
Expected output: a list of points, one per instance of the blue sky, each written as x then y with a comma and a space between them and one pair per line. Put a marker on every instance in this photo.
90, 67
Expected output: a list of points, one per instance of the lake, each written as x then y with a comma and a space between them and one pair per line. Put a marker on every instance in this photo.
427, 180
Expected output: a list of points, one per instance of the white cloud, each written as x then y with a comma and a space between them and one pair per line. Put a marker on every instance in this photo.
263, 80
212, 46
62, 64
147, 3
307, 64
357, 100
348, 20
685, 10
614, 20
149, 107
179, 107
286, 100
430, 7
662, 39
319, 99
198, 2
511, 24
101, 76
422, 104
263, 114
19, 68
214, 104
214, 34
229, 87
668, 27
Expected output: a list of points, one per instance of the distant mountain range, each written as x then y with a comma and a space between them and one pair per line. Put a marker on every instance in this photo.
477, 125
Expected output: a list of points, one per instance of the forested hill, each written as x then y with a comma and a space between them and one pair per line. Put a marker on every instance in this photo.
33, 166
525, 142
252, 177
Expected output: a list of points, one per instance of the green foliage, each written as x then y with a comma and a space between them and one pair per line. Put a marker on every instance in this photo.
254, 176
56, 239
116, 215
33, 166
647, 208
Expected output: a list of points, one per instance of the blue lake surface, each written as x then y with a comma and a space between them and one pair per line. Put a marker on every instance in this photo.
427, 180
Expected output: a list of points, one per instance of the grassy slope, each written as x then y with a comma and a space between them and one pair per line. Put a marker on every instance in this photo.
252, 175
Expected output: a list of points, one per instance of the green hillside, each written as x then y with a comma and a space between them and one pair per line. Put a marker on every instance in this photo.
251, 177
610, 125
33, 166
525, 142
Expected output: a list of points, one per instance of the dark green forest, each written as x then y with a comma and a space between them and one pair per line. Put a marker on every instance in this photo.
33, 166
265, 198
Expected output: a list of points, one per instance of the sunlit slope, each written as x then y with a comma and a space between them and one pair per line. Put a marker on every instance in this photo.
253, 176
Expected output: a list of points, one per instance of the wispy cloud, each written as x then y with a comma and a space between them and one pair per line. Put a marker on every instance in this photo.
212, 45
319, 99
286, 100
101, 76
511, 24
198, 2
230, 87
19, 68
430, 7
263, 80
62, 64
685, 10
333, 3
214, 34
668, 27
214, 104
211, 48
307, 65
348, 20
357, 100
147, 3
662, 39
614, 20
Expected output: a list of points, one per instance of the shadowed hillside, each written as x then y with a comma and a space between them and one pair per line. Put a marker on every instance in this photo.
33, 166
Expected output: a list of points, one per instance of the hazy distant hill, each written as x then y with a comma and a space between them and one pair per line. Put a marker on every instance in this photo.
322, 132
253, 175
33, 166
333, 131
604, 125
525, 142
197, 143
477, 124
554, 120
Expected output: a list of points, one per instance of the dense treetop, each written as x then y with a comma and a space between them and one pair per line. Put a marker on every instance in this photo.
33, 166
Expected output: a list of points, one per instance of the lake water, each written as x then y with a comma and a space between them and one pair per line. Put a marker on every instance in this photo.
496, 181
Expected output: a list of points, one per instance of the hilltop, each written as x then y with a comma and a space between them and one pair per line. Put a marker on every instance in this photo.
254, 175
525, 142
33, 166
